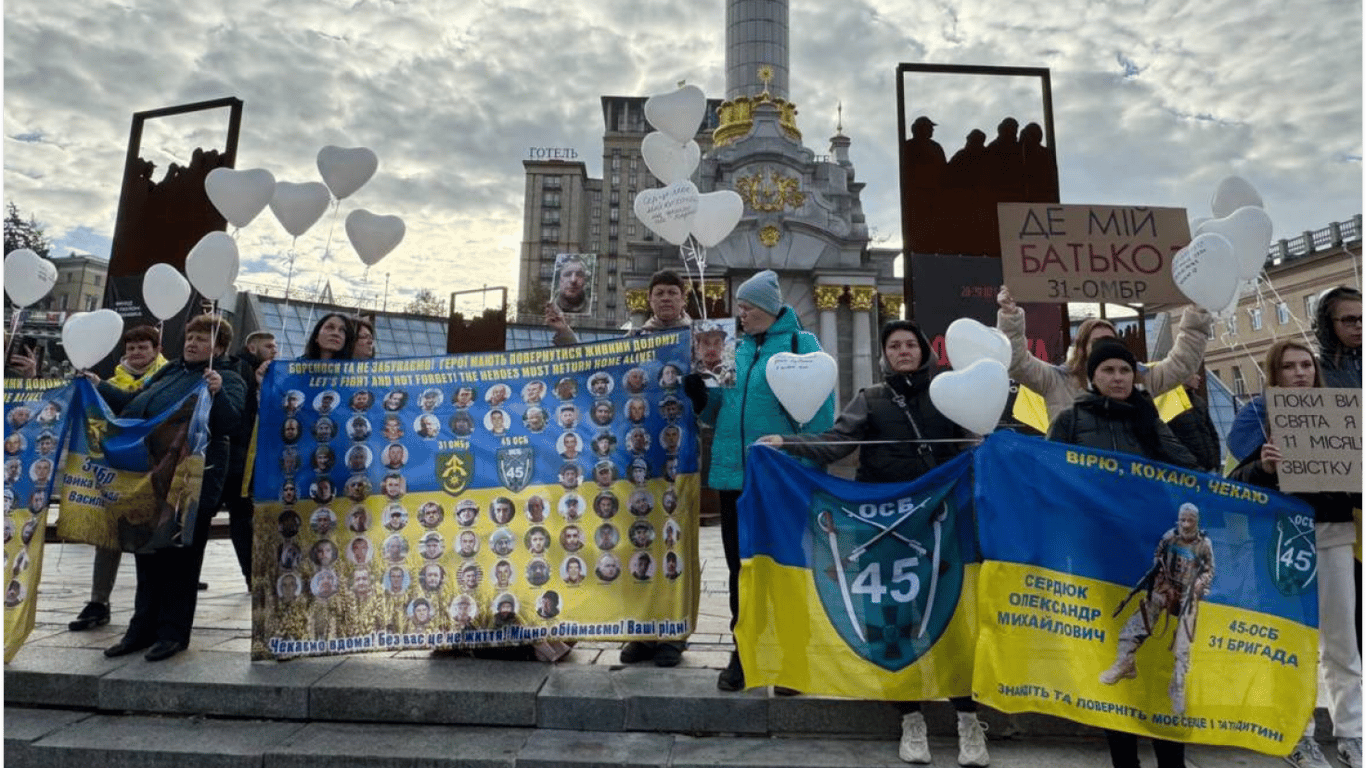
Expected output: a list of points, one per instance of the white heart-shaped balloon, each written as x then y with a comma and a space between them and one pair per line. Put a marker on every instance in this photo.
802, 383
212, 264
299, 206
239, 195
667, 159
164, 291
28, 276
346, 170
717, 214
966, 341
88, 336
1206, 271
1233, 193
373, 236
1249, 230
679, 114
974, 397
668, 212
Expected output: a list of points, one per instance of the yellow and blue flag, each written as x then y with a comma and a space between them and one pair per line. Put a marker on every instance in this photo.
1136, 596
856, 589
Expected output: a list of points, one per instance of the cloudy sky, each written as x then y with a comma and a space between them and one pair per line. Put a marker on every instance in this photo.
1154, 101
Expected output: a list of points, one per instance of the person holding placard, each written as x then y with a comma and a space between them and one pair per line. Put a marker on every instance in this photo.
1291, 363
1059, 385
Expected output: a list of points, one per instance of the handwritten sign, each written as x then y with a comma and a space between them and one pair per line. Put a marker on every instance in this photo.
1061, 253
1319, 432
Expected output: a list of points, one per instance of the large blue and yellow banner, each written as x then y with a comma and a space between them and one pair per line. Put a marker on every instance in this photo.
855, 589
133, 484
35, 434
1133, 595
476, 500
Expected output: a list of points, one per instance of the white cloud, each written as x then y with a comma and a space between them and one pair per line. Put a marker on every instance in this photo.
1154, 103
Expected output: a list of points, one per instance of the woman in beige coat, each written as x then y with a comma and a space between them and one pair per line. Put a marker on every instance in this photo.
1059, 385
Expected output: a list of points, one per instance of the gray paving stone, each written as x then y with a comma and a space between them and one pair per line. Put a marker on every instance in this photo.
24, 726
328, 745
577, 749
197, 682
693, 752
797, 715
430, 690
580, 699
69, 677
154, 742
687, 701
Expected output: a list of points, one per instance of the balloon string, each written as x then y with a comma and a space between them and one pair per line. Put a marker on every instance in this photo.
13, 332
327, 249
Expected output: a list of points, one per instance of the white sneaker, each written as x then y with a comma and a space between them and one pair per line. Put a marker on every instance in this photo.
1349, 752
915, 740
972, 740
1307, 754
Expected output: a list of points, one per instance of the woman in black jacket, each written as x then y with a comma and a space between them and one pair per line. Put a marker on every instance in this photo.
1114, 415
168, 577
900, 436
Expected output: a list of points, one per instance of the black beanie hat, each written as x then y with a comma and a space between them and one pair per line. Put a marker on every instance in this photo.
1108, 349
892, 326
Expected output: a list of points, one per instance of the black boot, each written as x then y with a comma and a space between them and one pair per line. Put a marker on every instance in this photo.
732, 678
91, 616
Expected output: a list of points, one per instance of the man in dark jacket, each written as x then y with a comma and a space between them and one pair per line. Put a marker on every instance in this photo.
258, 350
1194, 428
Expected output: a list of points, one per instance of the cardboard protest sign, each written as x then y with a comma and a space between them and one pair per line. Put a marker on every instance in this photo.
1319, 433
1061, 253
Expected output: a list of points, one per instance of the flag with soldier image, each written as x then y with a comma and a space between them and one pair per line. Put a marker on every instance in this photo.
1132, 595
856, 589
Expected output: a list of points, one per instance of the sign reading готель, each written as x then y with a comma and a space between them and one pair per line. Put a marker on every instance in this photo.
1060, 253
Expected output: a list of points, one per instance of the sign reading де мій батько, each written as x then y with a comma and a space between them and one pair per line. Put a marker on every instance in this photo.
1319, 434
1102, 253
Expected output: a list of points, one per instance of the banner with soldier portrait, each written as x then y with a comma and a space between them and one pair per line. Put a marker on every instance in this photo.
476, 500
856, 589
35, 434
1136, 596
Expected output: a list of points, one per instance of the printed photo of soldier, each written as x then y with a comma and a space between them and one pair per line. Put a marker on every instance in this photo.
1180, 577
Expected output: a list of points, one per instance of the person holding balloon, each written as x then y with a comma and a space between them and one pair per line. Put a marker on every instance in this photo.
1113, 414
1291, 363
748, 411
167, 589
1060, 385
141, 360
900, 435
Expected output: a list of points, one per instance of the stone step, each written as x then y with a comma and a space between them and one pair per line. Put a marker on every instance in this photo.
51, 738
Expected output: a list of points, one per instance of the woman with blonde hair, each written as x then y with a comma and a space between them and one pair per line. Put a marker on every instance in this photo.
1059, 385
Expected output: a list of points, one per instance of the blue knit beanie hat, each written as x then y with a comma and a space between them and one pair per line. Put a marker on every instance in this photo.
762, 291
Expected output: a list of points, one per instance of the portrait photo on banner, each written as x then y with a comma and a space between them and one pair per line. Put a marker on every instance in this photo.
471, 500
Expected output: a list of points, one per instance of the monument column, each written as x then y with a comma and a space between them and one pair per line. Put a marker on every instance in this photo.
861, 301
827, 301
638, 304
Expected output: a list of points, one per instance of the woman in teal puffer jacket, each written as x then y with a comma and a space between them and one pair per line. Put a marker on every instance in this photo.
748, 411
